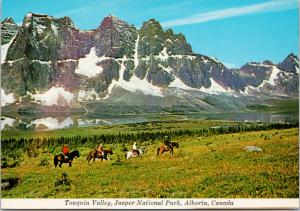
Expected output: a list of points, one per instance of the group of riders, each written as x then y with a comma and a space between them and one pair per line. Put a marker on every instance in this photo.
100, 149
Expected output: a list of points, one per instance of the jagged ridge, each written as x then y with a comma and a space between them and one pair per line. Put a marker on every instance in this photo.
49, 52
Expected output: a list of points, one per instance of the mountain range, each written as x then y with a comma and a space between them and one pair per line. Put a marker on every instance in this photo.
49, 64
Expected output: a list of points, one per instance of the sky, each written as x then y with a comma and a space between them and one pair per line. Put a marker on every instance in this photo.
233, 31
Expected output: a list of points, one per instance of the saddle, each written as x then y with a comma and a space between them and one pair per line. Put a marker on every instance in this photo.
63, 157
135, 153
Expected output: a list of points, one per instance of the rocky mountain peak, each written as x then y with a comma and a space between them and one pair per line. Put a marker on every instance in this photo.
66, 21
290, 64
152, 25
8, 20
267, 62
51, 52
112, 21
9, 29
115, 38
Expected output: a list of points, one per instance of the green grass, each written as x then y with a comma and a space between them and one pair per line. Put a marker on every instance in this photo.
115, 129
214, 166
277, 105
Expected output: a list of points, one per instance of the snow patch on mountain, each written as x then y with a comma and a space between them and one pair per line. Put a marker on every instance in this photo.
4, 49
177, 83
88, 65
52, 123
215, 88
163, 55
54, 29
273, 77
214, 59
297, 64
7, 121
134, 84
6, 99
54, 96
40, 29
249, 89
136, 53
87, 95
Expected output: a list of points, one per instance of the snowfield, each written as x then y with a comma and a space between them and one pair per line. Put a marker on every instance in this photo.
216, 88
177, 83
88, 65
87, 95
54, 96
4, 49
273, 77
7, 99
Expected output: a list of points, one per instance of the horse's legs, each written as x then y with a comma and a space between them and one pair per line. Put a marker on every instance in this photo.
60, 164
55, 162
158, 150
70, 163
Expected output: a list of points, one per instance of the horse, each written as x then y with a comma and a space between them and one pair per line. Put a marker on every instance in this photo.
61, 158
95, 154
164, 148
133, 154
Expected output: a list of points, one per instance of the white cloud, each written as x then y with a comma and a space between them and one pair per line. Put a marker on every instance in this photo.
270, 6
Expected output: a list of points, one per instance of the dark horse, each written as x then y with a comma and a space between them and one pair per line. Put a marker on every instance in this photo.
95, 154
62, 159
164, 148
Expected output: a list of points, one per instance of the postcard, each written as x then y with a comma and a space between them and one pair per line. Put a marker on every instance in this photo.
150, 104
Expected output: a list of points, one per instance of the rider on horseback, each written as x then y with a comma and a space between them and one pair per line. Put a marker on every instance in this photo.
135, 149
168, 143
66, 151
100, 149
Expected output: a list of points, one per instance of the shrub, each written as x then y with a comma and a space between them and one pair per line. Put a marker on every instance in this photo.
63, 183
44, 162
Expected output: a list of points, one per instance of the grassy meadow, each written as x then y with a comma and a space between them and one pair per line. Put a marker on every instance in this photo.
202, 167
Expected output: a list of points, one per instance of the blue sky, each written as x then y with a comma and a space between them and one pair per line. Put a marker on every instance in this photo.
234, 31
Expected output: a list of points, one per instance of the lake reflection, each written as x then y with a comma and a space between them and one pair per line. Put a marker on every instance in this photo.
52, 123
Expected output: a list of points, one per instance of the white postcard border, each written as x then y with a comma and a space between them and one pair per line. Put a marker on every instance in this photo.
138, 203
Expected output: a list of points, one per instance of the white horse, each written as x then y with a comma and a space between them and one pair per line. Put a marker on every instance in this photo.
131, 154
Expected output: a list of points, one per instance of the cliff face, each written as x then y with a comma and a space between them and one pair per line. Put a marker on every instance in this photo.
47, 52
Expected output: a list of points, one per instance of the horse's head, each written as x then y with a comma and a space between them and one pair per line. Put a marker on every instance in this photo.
76, 153
109, 151
143, 149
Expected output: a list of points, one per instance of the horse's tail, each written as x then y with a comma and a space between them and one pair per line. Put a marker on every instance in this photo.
126, 156
89, 157
55, 161
158, 150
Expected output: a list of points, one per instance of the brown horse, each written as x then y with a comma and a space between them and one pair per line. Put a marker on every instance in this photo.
95, 154
165, 148
63, 159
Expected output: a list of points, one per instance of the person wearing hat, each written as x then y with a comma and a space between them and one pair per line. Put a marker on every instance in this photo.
65, 150
135, 149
